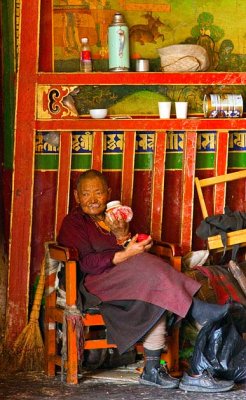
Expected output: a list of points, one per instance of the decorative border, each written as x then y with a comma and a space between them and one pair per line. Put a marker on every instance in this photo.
47, 150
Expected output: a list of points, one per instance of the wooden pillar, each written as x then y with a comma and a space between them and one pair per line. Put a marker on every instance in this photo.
158, 179
23, 173
128, 167
63, 181
97, 151
189, 165
46, 56
222, 142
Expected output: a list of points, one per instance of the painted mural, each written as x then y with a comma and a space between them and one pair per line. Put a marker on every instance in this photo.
152, 25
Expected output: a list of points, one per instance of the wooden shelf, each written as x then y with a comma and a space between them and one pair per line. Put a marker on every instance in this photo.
61, 81
134, 124
142, 78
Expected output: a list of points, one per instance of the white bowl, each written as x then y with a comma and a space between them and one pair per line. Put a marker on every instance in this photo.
98, 113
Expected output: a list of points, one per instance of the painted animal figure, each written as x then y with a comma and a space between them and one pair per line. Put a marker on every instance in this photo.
147, 33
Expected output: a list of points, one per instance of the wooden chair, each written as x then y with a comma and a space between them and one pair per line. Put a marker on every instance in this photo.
54, 315
214, 243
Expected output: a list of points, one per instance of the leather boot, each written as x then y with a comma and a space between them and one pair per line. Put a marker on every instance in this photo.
154, 374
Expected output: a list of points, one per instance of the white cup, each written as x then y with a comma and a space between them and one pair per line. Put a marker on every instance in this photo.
181, 108
164, 109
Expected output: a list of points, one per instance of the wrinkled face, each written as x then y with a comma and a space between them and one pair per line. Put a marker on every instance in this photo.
92, 195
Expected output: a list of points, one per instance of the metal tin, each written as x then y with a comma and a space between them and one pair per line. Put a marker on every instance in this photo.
142, 65
118, 44
223, 105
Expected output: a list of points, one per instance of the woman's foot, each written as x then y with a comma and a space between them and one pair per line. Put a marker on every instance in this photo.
159, 377
204, 383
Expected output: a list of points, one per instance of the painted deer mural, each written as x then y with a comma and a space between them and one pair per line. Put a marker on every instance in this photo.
147, 33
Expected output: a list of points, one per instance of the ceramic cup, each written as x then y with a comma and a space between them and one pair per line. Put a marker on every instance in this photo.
164, 109
181, 108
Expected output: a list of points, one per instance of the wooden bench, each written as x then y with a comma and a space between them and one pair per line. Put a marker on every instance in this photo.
237, 237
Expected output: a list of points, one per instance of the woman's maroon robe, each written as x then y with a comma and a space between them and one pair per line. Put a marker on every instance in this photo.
134, 293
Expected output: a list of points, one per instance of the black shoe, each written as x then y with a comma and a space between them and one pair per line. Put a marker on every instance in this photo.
204, 383
159, 377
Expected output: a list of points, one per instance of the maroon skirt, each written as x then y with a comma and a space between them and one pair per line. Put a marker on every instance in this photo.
135, 294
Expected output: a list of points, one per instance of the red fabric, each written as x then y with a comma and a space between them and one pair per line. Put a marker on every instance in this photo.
223, 283
147, 278
96, 246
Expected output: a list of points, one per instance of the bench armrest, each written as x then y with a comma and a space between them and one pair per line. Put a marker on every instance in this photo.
169, 251
62, 253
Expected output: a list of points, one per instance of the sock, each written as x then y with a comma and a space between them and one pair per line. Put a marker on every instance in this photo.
203, 312
152, 359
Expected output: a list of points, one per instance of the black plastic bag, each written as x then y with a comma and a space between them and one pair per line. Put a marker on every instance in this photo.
220, 347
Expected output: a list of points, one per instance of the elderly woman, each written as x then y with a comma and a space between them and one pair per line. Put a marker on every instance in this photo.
133, 288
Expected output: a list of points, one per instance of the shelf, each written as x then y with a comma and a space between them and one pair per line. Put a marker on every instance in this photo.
142, 78
134, 124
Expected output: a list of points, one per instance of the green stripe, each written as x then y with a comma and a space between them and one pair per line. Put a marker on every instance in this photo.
81, 161
205, 160
112, 161
174, 160
143, 161
237, 159
46, 162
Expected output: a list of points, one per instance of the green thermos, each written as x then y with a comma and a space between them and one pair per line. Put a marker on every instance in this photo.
118, 44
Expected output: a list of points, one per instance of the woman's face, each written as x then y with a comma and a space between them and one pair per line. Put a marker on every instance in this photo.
92, 195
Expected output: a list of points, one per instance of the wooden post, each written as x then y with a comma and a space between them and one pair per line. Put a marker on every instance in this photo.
63, 180
23, 173
128, 168
71, 295
158, 179
97, 151
189, 165
46, 54
222, 139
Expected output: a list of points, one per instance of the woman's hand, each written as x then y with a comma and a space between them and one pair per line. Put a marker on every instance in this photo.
133, 249
119, 227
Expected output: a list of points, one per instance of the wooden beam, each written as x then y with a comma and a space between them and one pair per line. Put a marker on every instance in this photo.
157, 192
46, 53
223, 178
63, 179
23, 173
222, 140
189, 165
97, 151
128, 168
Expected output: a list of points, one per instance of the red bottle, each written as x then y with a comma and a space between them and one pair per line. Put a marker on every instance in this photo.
85, 56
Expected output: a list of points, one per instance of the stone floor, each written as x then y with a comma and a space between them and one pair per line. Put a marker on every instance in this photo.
118, 384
